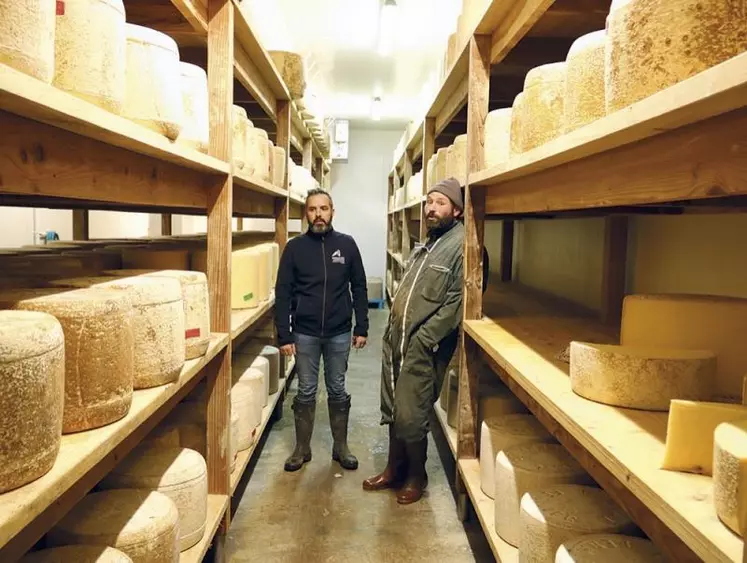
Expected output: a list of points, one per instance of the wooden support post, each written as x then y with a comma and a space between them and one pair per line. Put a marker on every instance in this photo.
614, 266
474, 222
220, 205
281, 203
166, 224
80, 224
429, 149
319, 162
507, 250
307, 155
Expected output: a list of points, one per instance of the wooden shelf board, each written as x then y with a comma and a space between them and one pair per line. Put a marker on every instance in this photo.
243, 457
691, 104
28, 97
410, 205
81, 452
485, 509
296, 200
522, 335
243, 319
216, 508
257, 185
449, 432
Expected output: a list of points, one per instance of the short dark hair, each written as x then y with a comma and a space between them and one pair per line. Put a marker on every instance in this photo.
318, 191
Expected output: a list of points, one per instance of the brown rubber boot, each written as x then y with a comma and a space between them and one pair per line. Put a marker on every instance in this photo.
395, 472
417, 479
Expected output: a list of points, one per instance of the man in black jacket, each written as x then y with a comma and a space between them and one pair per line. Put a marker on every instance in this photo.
313, 310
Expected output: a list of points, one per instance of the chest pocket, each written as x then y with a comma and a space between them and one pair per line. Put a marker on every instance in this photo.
435, 281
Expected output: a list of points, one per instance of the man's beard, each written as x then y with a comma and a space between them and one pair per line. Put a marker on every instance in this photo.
320, 228
440, 225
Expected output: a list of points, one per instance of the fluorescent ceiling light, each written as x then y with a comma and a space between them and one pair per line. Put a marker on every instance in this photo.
387, 23
376, 109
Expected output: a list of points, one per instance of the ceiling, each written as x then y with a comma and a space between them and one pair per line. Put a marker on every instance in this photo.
339, 40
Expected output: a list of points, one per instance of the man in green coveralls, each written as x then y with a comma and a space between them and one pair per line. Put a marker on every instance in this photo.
419, 341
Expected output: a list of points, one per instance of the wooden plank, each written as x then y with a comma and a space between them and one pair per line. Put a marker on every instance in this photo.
507, 250
244, 320
452, 106
80, 224
514, 24
216, 509
251, 78
166, 224
195, 12
85, 458
242, 179
28, 97
614, 269
41, 160
621, 448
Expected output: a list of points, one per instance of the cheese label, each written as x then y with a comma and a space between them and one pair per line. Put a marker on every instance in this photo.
60, 9
248, 297
192, 333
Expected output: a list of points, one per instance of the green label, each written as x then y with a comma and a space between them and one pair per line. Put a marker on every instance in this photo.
248, 296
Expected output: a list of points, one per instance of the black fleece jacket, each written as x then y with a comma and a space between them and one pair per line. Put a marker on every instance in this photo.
315, 280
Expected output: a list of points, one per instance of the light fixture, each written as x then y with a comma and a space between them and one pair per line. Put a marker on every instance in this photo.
376, 109
387, 21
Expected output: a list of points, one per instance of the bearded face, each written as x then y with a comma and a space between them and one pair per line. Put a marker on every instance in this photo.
440, 212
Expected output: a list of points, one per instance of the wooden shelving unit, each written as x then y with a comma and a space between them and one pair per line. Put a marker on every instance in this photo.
58, 151
449, 432
679, 150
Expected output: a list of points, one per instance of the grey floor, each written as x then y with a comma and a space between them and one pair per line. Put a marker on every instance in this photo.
321, 513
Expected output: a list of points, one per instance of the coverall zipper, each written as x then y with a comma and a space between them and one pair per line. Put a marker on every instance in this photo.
324, 295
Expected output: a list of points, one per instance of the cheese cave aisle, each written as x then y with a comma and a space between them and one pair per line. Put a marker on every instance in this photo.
373, 280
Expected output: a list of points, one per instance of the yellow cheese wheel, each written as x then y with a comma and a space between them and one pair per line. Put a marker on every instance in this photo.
539, 116
27, 30
608, 548
77, 554
195, 131
730, 474
458, 168
584, 87
291, 68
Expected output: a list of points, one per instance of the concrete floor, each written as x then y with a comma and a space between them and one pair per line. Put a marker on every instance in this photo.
321, 513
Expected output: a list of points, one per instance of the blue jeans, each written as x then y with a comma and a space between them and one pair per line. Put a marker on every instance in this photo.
335, 351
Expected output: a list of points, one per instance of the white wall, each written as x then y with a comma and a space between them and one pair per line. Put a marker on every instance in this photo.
18, 224
360, 193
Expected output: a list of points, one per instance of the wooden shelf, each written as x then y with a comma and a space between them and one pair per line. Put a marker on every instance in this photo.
449, 432
257, 185
216, 508
81, 453
523, 336
410, 205
244, 319
485, 509
682, 143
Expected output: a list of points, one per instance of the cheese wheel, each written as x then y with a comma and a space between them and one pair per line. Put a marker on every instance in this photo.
539, 117
653, 45
247, 395
255, 373
246, 280
440, 172
497, 137
239, 136
77, 554
145, 258
459, 159
690, 428
278, 167
142, 524
151, 98
450, 161
265, 271
730, 474
32, 376
178, 473
250, 357
526, 468
195, 131
91, 51
636, 377
516, 131
503, 432
27, 30
99, 361
291, 69
610, 548
698, 322
552, 516
584, 86
274, 263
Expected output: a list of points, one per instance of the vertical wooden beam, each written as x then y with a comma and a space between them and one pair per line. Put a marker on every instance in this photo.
166, 224
307, 155
220, 206
429, 149
474, 221
80, 224
319, 162
507, 250
613, 268
282, 212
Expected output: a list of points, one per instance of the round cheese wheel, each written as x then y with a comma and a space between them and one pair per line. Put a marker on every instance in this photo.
526, 468
584, 87
239, 136
27, 29
440, 172
247, 395
77, 554
278, 166
32, 378
497, 137
609, 548
142, 524
458, 168
516, 131
730, 474
539, 117
196, 125
257, 156
276, 368
552, 516
178, 473
91, 51
501, 433
153, 97
291, 69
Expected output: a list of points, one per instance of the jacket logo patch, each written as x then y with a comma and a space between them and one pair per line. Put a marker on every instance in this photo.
337, 257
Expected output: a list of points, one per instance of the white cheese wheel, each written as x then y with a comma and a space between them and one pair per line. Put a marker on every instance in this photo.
609, 548
178, 473
274, 358
257, 154
539, 116
239, 136
247, 395
636, 377
77, 554
584, 86
249, 357
32, 378
497, 137
254, 371
526, 468
730, 475
145, 258
653, 45
91, 51
27, 29
142, 524
516, 131
459, 159
552, 516
698, 322
278, 167
291, 69
430, 171
503, 432
690, 429
195, 131
99, 361
153, 98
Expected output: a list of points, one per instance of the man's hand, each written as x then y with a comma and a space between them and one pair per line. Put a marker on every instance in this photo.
359, 342
288, 350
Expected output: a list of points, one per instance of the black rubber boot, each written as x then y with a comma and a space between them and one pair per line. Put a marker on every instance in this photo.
339, 413
304, 416
417, 479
